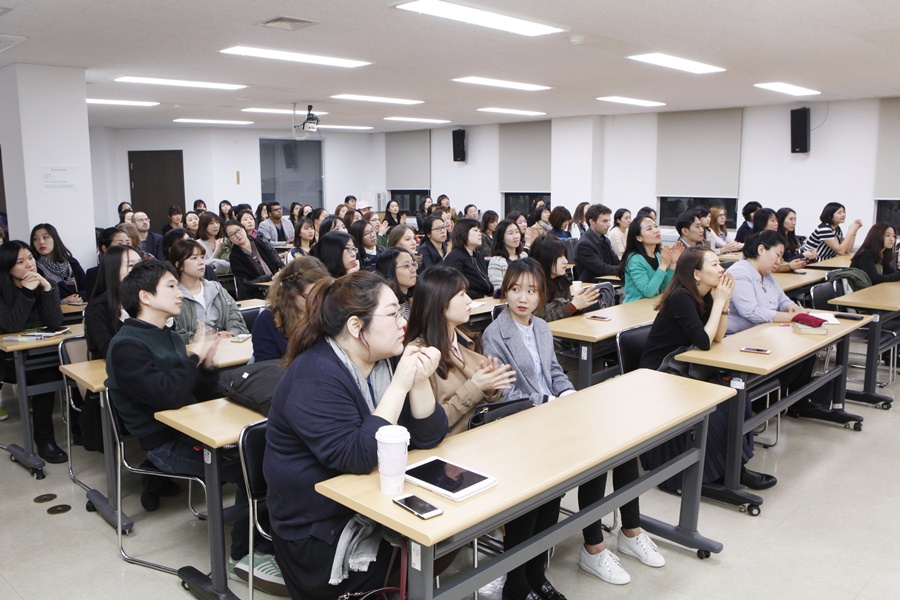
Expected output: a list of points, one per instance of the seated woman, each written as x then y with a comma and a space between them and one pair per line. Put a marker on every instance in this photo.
694, 312
577, 226
392, 214
366, 238
526, 343
619, 231
489, 222
398, 267
340, 210
285, 305
875, 256
541, 226
109, 237
329, 224
550, 253
828, 239
766, 219
647, 266
57, 265
507, 248
304, 238
28, 299
381, 227
103, 316
467, 259
337, 252
213, 240
204, 302
404, 236
350, 217
758, 299
433, 248
559, 222
342, 384
252, 261
246, 218
192, 222
787, 226
720, 240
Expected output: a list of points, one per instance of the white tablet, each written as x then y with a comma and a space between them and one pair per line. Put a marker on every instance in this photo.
448, 479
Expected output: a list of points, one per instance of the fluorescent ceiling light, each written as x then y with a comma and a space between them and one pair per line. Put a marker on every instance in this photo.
281, 111
633, 101
344, 127
376, 99
673, 62
514, 85
414, 120
213, 121
121, 102
181, 83
513, 111
294, 57
786, 88
474, 16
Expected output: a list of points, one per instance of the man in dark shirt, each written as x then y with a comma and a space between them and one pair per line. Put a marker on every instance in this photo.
594, 256
150, 242
690, 229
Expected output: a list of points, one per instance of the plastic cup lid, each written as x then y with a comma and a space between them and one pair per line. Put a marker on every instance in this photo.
392, 434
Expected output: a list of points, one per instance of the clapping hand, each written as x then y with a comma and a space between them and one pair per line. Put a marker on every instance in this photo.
585, 297
206, 344
493, 376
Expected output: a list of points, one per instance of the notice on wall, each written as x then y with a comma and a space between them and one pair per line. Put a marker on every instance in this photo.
58, 178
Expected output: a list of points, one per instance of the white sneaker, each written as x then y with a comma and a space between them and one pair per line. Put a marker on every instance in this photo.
642, 548
604, 565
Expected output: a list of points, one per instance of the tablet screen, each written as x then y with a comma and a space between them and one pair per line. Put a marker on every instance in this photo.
444, 475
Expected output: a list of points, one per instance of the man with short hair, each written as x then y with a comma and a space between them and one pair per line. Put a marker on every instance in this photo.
690, 229
594, 256
350, 201
149, 370
276, 229
151, 243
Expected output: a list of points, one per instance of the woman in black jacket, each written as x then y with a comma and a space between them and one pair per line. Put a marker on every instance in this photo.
876, 254
433, 248
252, 261
28, 299
467, 258
103, 315
57, 265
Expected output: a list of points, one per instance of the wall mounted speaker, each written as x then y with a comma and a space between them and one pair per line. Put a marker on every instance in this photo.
800, 130
459, 145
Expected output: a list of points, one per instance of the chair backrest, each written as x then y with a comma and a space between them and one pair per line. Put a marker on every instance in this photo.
821, 294
252, 447
250, 315
630, 344
73, 350
495, 312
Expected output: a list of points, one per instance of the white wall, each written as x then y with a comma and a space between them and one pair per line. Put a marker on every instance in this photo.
629, 161
576, 161
475, 181
353, 163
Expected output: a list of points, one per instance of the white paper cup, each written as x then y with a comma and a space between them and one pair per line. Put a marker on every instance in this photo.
576, 287
393, 441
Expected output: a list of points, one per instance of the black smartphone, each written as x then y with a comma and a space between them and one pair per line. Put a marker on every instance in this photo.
599, 318
418, 507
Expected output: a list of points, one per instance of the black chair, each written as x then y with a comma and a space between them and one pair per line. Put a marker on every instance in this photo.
495, 312
72, 350
630, 344
252, 448
250, 315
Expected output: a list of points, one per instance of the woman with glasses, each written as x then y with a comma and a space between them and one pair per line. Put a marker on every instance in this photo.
467, 259
344, 381
434, 245
398, 266
381, 227
338, 252
252, 261
366, 238
285, 305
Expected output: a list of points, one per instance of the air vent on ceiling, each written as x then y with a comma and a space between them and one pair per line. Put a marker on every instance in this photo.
287, 23
8, 41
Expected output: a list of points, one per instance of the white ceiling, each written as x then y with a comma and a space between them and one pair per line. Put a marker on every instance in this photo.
847, 49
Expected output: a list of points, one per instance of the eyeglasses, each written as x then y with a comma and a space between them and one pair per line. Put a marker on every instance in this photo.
350, 249
398, 316
369, 232
411, 267
235, 233
441, 228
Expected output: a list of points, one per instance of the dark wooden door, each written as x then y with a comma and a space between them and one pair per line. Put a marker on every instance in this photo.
157, 182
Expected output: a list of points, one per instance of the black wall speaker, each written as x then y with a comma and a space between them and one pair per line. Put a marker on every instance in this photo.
800, 130
459, 145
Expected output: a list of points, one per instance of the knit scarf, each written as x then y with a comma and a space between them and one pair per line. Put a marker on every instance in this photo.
378, 381
54, 271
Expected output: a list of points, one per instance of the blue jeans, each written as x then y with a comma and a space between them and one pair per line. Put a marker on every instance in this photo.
182, 456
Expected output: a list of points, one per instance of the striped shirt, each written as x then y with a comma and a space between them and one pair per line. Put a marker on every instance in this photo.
817, 240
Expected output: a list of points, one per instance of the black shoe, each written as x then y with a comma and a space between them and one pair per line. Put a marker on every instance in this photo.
530, 596
757, 481
52, 453
548, 592
165, 487
149, 497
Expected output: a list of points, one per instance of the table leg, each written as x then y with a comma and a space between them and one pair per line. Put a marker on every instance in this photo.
585, 365
214, 586
25, 455
420, 575
873, 357
107, 506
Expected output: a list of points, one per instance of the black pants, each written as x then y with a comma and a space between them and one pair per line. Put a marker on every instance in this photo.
306, 567
595, 489
529, 576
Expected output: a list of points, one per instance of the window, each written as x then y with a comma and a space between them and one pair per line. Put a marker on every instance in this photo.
523, 202
291, 171
409, 199
888, 211
672, 206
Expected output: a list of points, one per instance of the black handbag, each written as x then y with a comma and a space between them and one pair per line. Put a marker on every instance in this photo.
488, 413
252, 385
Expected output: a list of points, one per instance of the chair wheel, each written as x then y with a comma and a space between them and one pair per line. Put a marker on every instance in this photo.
702, 554
857, 426
886, 405
89, 506
12, 458
38, 473
753, 510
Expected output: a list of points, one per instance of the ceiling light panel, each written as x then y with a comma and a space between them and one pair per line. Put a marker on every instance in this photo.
674, 62
355, 127
294, 57
281, 111
181, 83
376, 99
416, 120
632, 101
787, 88
474, 16
512, 111
212, 122
121, 102
513, 85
